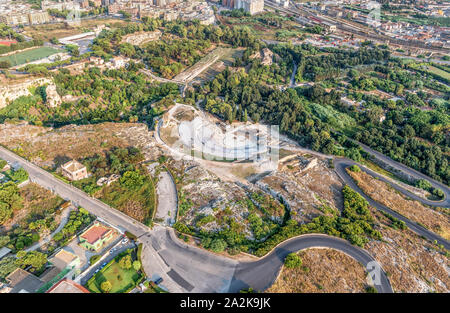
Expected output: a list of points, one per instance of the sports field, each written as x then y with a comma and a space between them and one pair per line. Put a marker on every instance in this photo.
29, 55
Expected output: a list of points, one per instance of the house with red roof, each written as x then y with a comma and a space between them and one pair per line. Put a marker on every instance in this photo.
96, 236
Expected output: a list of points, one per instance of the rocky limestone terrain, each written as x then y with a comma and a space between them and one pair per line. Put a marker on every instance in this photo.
322, 271
209, 196
49, 147
412, 263
305, 184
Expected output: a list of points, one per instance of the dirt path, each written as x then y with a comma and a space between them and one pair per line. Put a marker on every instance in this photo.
64, 219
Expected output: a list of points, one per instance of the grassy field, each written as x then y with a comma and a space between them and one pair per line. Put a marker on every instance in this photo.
29, 55
227, 59
438, 72
121, 280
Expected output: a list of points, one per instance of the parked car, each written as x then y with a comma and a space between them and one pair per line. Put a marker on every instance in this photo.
125, 240
158, 281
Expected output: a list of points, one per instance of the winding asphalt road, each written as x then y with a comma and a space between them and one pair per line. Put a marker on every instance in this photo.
261, 274
196, 265
412, 172
342, 164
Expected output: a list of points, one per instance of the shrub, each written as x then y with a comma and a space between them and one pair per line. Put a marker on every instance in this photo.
423, 184
94, 259
137, 265
355, 168
354, 154
130, 235
35, 237
5, 64
438, 193
292, 261
218, 245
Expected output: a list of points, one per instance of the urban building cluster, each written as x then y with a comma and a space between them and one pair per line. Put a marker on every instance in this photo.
15, 14
168, 10
363, 12
251, 6
64, 265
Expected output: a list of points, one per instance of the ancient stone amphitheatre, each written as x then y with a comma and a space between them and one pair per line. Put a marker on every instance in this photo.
197, 133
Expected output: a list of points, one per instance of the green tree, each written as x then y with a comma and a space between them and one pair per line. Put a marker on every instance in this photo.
106, 286
4, 240
7, 265
5, 212
137, 265
20, 175
125, 262
132, 180
292, 261
34, 259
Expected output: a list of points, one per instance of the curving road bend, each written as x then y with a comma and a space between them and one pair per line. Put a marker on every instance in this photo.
340, 167
261, 274
412, 172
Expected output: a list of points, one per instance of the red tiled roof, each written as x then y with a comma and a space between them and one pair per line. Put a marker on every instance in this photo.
95, 233
7, 42
67, 286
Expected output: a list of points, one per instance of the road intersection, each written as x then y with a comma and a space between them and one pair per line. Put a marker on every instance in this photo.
185, 268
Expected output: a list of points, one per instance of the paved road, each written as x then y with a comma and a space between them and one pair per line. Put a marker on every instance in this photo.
76, 196
401, 167
261, 274
167, 199
193, 269
342, 164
